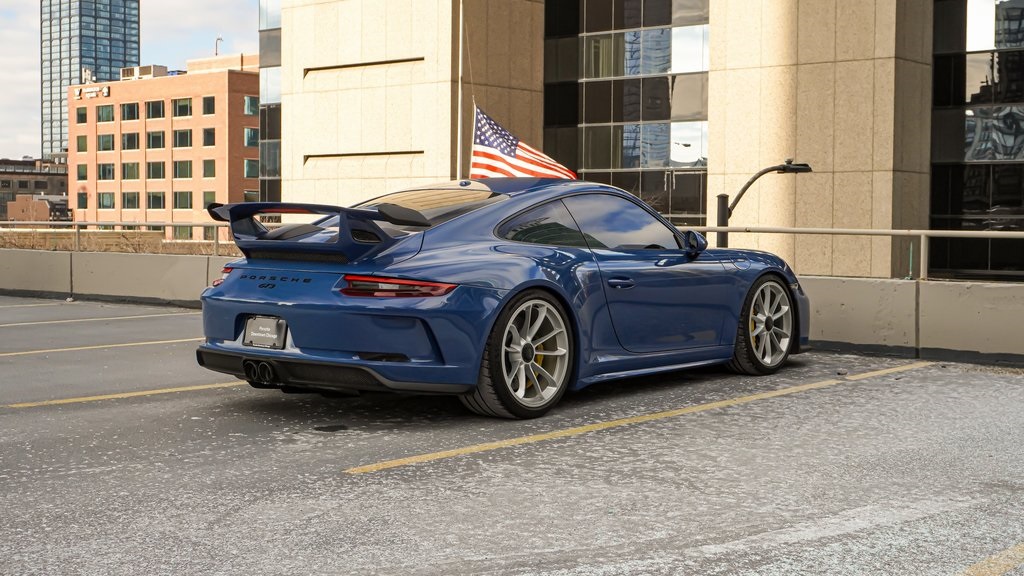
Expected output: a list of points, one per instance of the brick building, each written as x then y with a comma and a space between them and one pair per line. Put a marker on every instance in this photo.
160, 146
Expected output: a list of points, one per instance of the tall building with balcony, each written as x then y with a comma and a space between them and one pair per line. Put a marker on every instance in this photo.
79, 38
159, 147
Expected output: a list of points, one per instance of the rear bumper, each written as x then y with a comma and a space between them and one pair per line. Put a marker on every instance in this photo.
322, 374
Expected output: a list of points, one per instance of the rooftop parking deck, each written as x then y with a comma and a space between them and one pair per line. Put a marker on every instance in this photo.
118, 454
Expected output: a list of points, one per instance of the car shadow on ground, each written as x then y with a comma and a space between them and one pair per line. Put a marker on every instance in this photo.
384, 411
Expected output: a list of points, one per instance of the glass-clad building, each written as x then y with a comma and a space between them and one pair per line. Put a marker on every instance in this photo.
101, 36
625, 97
270, 100
978, 136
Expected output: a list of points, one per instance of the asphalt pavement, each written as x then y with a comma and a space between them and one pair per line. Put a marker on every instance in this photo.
119, 455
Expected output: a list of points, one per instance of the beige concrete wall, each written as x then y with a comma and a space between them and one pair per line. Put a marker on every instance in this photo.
863, 311
35, 270
354, 128
150, 276
844, 86
973, 317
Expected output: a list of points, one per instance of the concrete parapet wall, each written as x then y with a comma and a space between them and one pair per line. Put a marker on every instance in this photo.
972, 317
161, 277
863, 311
35, 271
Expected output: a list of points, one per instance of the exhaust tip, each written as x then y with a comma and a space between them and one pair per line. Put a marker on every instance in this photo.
265, 372
251, 370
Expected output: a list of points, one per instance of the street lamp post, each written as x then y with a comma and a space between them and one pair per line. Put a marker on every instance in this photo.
725, 208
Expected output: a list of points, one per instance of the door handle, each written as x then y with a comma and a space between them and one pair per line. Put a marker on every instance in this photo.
621, 283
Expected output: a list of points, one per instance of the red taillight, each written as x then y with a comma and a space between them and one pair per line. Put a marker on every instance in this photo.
379, 287
223, 276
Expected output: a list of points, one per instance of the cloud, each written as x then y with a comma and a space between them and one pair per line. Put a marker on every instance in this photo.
171, 33
19, 99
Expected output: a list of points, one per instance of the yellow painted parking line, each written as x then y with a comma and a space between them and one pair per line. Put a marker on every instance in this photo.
885, 371
98, 347
999, 564
99, 319
33, 305
569, 432
84, 399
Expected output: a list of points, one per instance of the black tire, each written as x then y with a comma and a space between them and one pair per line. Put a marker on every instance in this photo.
748, 357
493, 396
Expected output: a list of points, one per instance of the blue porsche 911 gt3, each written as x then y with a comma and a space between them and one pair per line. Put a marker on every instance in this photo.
505, 292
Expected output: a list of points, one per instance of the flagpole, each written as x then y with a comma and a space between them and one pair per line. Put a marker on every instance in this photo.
458, 138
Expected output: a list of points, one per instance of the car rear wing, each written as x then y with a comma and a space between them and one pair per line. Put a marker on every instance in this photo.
353, 234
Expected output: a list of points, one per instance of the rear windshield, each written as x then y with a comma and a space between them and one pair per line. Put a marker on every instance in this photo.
438, 206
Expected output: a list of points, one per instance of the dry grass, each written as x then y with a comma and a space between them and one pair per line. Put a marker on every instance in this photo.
127, 241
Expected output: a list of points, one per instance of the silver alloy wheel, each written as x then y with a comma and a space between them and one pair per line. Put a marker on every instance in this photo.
771, 323
535, 353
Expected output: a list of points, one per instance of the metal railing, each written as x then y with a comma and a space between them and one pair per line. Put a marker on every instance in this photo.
921, 235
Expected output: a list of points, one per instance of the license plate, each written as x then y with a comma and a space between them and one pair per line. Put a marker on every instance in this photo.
265, 332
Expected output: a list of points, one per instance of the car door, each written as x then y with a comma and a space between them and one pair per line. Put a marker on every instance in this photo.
659, 297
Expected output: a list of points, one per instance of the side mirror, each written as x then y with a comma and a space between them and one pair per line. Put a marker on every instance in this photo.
694, 243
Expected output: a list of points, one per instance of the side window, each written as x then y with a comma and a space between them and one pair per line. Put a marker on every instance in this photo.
615, 223
547, 224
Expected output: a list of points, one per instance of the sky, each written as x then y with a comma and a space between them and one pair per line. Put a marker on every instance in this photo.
170, 33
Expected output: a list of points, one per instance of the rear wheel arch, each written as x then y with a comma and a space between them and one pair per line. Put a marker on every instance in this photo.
485, 399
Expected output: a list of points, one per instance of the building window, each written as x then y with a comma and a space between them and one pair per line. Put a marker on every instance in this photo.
81, 115
155, 140
182, 138
182, 200
181, 107
155, 201
83, 171
130, 171
82, 143
155, 109
209, 168
130, 111
182, 168
130, 141
252, 106
209, 197
23, 184
155, 170
252, 136
209, 136
83, 200
182, 232
252, 168
208, 233
105, 113
105, 200
40, 185
105, 142
129, 200
104, 171
251, 196
209, 105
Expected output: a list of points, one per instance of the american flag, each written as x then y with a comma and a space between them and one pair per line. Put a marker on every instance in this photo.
497, 153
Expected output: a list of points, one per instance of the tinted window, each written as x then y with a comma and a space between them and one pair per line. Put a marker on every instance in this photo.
616, 223
548, 224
